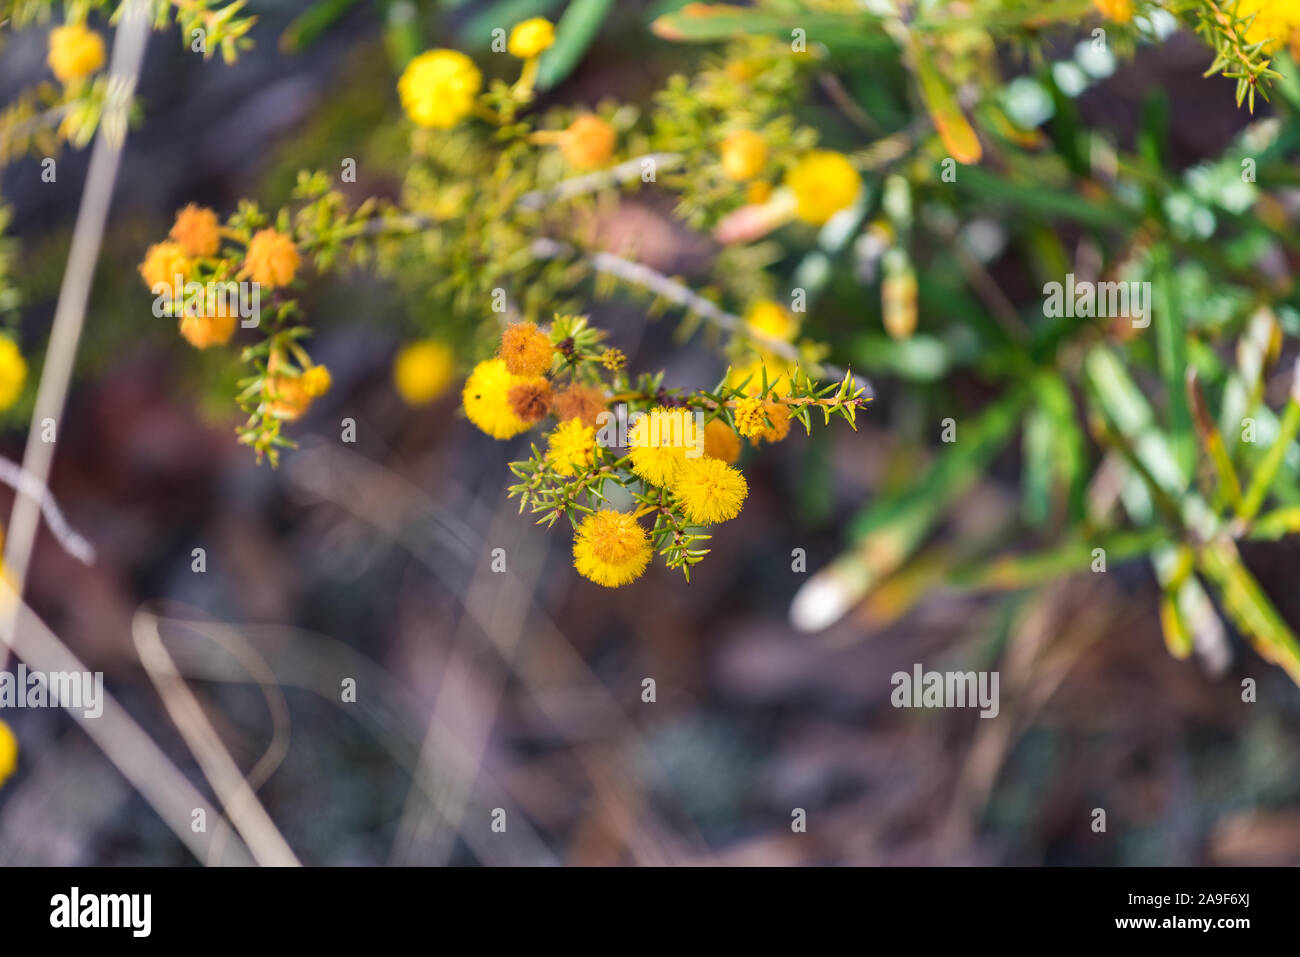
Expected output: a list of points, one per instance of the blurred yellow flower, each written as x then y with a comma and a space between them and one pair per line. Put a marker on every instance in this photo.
588, 142
1121, 11
197, 231
75, 52
272, 258
422, 371
316, 381
1274, 21
531, 38
8, 753
163, 263
438, 88
721, 441
771, 319
823, 183
13, 372
744, 153
526, 349
211, 325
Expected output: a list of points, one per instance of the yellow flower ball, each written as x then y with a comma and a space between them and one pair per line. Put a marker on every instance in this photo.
588, 142
526, 350
823, 183
658, 442
531, 38
721, 442
75, 52
438, 88
289, 399
197, 231
571, 448
486, 397
316, 381
744, 153
1121, 11
211, 325
422, 371
162, 264
610, 548
13, 372
271, 259
1275, 20
8, 753
709, 490
770, 319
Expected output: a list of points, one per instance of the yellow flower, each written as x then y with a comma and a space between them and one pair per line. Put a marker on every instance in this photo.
13, 372
779, 415
526, 349
588, 142
610, 548
743, 154
1121, 11
572, 448
8, 753
487, 400
75, 52
422, 371
163, 263
658, 444
316, 381
769, 319
779, 374
709, 490
196, 231
211, 324
580, 402
1275, 21
721, 441
823, 183
438, 88
749, 415
289, 398
272, 258
530, 38
758, 192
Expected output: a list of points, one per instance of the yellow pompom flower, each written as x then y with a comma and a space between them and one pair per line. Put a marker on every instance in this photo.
823, 183
13, 372
438, 88
658, 443
526, 349
721, 442
8, 753
163, 263
531, 38
1274, 21
744, 153
422, 371
209, 325
75, 52
486, 397
709, 490
750, 416
197, 231
271, 259
610, 548
1121, 11
572, 448
316, 381
770, 319
588, 142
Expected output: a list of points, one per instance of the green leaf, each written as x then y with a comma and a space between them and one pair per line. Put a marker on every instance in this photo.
574, 34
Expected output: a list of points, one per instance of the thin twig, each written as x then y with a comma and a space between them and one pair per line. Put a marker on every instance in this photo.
12, 474
591, 182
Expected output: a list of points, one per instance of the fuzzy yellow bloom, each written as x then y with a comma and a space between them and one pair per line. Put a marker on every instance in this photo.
709, 490
438, 88
721, 442
531, 38
658, 442
288, 398
1274, 21
211, 325
75, 52
271, 259
316, 381
588, 142
572, 448
163, 263
610, 548
744, 153
8, 753
750, 416
526, 349
779, 415
780, 375
580, 402
1121, 11
197, 231
770, 319
13, 372
422, 371
823, 183
486, 397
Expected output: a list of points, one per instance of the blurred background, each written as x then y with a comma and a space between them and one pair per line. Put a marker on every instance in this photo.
475, 690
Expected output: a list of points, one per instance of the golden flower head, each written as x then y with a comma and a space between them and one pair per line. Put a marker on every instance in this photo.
438, 88
288, 397
197, 231
211, 323
750, 416
658, 442
1273, 24
613, 359
531, 38
1121, 11
272, 258
530, 397
758, 192
13, 372
709, 490
744, 153
422, 371
571, 448
778, 414
823, 183
316, 381
75, 52
588, 142
610, 548
770, 319
526, 349
778, 373
721, 441
486, 397
8, 753
163, 263
580, 402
